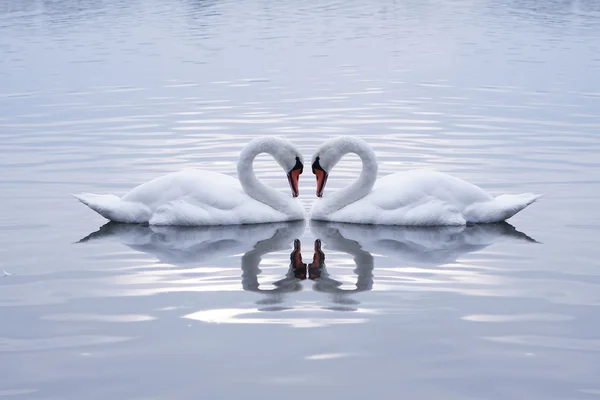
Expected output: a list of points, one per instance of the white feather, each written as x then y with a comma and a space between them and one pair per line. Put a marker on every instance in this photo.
200, 197
411, 198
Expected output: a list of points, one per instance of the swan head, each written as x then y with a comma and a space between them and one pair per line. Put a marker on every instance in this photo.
324, 159
287, 156
332, 151
283, 151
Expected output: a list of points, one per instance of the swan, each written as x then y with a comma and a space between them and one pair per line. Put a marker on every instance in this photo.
199, 197
411, 198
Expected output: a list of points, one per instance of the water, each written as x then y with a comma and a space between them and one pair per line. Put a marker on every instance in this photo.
102, 95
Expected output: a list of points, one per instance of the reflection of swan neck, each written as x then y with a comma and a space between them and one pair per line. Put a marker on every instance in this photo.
250, 183
365, 262
250, 270
364, 270
251, 259
368, 175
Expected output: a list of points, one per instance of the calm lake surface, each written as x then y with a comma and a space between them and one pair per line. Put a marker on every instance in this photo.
99, 96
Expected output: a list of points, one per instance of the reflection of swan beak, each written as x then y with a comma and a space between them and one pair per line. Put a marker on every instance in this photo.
296, 260
318, 256
296, 256
314, 268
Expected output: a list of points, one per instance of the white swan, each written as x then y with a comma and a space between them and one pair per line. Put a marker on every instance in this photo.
200, 197
415, 197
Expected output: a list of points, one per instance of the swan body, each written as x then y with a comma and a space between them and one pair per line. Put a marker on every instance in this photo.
201, 197
411, 198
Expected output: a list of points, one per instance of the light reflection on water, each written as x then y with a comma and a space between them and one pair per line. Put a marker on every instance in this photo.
100, 96
410, 259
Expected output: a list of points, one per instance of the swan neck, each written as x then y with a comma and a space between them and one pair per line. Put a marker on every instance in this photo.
252, 185
361, 186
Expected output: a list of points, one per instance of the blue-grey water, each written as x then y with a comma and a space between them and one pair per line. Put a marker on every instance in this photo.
99, 96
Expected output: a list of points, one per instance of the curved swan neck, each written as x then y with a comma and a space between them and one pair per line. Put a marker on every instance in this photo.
252, 258
365, 263
362, 186
251, 184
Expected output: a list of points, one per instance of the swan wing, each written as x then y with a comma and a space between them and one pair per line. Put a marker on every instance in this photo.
416, 197
415, 187
198, 186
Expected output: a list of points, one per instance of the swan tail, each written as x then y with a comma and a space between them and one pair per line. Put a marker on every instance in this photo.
501, 208
113, 208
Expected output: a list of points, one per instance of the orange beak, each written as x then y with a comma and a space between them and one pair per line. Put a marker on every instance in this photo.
321, 181
293, 178
321, 175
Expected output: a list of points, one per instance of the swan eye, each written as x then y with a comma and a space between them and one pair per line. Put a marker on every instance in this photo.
298, 166
316, 166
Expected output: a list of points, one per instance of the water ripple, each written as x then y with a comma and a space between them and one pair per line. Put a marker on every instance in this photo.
102, 96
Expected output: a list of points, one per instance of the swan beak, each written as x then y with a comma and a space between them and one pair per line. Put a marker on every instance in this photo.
293, 178
321, 176
321, 181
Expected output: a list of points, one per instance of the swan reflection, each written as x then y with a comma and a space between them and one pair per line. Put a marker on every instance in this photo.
251, 243
290, 283
325, 283
185, 245
315, 271
197, 245
430, 246
425, 245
